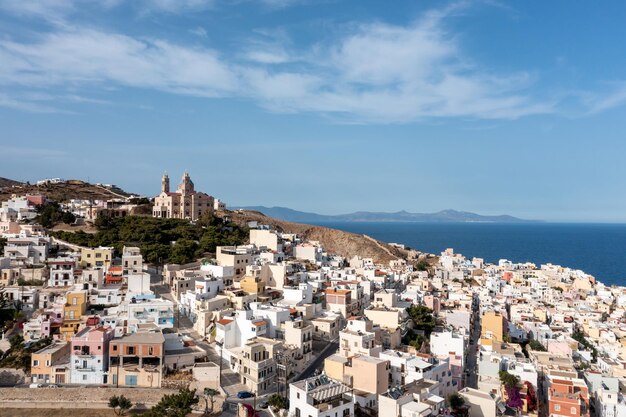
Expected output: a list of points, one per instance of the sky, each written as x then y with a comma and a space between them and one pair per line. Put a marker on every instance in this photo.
326, 106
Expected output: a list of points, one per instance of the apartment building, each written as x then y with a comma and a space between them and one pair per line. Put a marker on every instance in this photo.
132, 261
74, 308
239, 257
136, 360
358, 338
62, 272
254, 362
567, 396
320, 397
27, 250
417, 399
89, 360
99, 257
51, 363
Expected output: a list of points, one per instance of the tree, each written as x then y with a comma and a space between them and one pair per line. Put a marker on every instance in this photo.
422, 266
508, 380
174, 405
277, 401
536, 345
422, 318
456, 401
16, 341
120, 402
209, 394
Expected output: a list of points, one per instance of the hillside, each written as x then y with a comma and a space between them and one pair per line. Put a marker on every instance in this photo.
442, 216
62, 192
6, 183
334, 241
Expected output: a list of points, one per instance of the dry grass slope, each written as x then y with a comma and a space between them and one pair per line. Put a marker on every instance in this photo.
334, 241
71, 189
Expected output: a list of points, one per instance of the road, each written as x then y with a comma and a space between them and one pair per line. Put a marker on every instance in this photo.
318, 363
472, 355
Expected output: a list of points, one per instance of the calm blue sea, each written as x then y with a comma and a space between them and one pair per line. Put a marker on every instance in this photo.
598, 249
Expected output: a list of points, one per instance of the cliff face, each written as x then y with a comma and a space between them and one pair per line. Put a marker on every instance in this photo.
334, 241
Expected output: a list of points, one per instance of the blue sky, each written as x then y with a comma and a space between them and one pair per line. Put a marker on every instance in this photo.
326, 106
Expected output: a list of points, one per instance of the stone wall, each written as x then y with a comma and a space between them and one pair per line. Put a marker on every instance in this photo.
77, 397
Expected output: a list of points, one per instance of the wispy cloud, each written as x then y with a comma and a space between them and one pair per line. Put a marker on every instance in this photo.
199, 31
372, 73
87, 56
614, 97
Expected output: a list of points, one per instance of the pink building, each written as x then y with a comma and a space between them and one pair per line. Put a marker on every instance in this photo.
89, 362
434, 303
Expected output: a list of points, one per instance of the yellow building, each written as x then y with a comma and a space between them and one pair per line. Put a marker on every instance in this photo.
493, 326
75, 307
96, 257
51, 364
252, 285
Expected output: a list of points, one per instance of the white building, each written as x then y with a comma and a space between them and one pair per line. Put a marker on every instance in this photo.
320, 397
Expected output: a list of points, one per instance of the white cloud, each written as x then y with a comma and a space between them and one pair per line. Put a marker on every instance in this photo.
199, 31
374, 72
599, 102
93, 57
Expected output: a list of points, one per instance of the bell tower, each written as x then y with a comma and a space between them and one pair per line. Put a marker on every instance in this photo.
165, 183
186, 187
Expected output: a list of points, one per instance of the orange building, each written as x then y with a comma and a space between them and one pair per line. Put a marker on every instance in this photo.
567, 396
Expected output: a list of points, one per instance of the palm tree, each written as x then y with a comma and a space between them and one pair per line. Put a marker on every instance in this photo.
209, 393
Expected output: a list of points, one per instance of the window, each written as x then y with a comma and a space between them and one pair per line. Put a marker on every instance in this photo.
114, 347
48, 362
84, 377
130, 350
131, 380
35, 363
557, 407
150, 350
574, 410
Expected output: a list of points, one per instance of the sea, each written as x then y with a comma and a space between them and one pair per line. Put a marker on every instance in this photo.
597, 249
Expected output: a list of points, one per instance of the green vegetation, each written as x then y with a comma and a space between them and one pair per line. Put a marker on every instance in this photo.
120, 404
209, 396
18, 356
51, 213
422, 266
456, 401
423, 318
536, 345
276, 401
154, 236
508, 380
30, 282
139, 200
174, 405
424, 321
580, 338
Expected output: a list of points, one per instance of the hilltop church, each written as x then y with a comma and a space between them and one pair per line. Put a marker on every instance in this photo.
185, 203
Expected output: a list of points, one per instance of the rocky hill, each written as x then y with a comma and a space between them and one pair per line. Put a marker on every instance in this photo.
61, 192
334, 241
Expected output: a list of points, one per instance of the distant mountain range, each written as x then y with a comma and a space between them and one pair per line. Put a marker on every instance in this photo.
444, 216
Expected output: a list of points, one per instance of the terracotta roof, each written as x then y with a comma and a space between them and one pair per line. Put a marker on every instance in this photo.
259, 323
224, 322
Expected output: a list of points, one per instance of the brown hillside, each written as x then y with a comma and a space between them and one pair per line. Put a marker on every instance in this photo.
71, 189
334, 241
